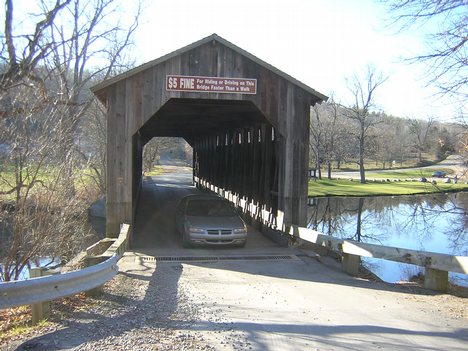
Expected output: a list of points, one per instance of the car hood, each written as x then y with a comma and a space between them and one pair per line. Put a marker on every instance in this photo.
215, 222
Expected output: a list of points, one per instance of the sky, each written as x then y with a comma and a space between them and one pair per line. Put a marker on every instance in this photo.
321, 43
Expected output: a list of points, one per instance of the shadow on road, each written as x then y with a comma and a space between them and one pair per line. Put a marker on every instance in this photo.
164, 310
113, 315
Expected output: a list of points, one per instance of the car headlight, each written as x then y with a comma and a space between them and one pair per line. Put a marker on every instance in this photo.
240, 231
196, 230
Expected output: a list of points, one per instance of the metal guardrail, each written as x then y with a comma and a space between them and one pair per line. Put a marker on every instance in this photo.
35, 290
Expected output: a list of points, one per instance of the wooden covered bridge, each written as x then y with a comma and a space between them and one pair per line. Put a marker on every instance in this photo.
248, 124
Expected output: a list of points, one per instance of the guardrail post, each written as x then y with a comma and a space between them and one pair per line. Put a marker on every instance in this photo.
350, 264
91, 261
40, 310
436, 279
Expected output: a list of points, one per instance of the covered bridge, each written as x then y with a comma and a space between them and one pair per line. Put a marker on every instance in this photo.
248, 124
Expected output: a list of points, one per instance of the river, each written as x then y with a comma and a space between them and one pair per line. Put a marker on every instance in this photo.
435, 222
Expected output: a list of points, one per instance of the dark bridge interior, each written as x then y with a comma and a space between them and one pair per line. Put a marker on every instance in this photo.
234, 147
191, 118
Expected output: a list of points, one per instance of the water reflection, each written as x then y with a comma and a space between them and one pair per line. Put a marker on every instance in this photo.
436, 223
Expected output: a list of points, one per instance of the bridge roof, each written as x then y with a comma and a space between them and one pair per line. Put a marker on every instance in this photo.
100, 88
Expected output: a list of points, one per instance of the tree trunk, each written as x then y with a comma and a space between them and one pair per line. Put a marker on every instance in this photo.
361, 157
359, 219
328, 211
318, 165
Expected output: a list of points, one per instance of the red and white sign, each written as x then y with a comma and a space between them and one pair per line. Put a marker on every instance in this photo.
211, 84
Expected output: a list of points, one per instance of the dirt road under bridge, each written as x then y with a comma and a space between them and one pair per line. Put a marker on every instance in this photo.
155, 233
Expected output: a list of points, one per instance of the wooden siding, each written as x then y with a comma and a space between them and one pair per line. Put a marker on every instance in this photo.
273, 172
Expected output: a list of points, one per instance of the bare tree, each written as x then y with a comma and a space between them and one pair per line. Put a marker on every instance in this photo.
188, 152
386, 150
343, 144
334, 139
23, 52
363, 92
152, 151
326, 135
446, 53
400, 131
44, 103
316, 142
92, 145
462, 143
35, 221
74, 44
94, 34
420, 130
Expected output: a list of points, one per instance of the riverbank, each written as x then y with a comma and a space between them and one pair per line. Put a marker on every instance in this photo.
395, 181
383, 187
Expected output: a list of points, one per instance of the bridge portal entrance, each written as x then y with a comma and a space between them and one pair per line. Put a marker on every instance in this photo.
247, 122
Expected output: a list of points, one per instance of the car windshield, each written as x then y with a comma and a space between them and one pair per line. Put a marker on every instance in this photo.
211, 208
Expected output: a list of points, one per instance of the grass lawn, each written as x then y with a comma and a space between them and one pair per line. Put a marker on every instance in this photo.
354, 188
157, 170
46, 177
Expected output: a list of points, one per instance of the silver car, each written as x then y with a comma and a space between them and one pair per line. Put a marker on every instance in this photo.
209, 220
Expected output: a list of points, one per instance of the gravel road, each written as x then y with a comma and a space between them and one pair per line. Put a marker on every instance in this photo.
291, 304
143, 308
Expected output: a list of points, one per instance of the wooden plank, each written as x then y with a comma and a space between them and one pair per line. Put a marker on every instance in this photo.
210, 40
